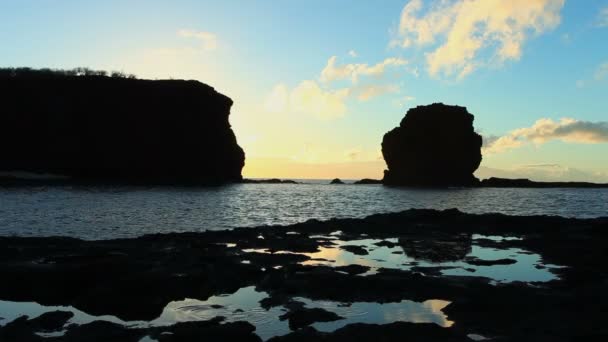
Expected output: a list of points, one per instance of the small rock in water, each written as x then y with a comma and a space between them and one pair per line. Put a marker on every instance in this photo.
359, 250
302, 317
481, 262
353, 269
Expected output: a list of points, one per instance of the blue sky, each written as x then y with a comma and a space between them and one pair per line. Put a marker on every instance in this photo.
521, 61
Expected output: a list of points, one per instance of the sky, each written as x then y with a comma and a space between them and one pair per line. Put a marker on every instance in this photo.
316, 84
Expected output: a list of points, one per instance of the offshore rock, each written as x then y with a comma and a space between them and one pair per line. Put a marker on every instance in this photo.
434, 145
95, 128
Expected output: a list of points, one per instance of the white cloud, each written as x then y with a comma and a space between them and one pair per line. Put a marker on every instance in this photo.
365, 93
334, 72
460, 32
208, 39
601, 72
278, 99
493, 145
317, 99
307, 98
603, 17
545, 130
352, 53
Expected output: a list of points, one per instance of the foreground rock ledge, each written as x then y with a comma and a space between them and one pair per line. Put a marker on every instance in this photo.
134, 279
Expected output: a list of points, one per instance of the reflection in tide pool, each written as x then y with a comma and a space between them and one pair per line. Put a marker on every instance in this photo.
375, 313
9, 311
244, 305
527, 266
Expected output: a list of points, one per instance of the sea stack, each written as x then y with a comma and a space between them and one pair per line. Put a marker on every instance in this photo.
95, 128
434, 146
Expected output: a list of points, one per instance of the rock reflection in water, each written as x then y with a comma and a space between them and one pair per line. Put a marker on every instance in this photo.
244, 305
460, 256
429, 311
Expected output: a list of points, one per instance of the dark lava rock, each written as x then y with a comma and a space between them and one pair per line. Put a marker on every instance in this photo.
439, 248
51, 321
385, 243
352, 269
434, 145
18, 330
359, 250
207, 331
302, 317
269, 181
134, 279
24, 329
94, 128
368, 181
481, 262
494, 182
336, 181
399, 331
101, 331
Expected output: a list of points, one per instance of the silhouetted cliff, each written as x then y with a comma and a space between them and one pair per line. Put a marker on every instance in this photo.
434, 145
91, 127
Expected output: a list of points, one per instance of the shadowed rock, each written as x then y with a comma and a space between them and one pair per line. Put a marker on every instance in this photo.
301, 317
269, 181
115, 129
441, 248
336, 181
368, 181
434, 145
494, 182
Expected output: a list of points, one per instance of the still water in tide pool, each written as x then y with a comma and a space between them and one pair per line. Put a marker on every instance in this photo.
111, 212
244, 305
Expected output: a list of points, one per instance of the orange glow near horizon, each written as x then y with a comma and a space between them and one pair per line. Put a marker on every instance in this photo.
288, 169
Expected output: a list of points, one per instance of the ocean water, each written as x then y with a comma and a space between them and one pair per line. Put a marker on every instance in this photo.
103, 212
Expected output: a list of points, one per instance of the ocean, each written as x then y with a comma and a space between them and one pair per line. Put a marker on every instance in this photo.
106, 212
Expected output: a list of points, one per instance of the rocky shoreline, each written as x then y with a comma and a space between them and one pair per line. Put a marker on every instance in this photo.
492, 182
135, 279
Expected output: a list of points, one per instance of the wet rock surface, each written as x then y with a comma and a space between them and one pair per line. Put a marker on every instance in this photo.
434, 145
301, 317
134, 279
23, 330
355, 249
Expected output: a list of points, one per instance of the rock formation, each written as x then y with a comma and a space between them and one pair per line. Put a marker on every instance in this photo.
116, 129
368, 181
434, 145
336, 181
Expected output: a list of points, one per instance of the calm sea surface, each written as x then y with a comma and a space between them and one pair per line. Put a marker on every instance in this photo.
110, 212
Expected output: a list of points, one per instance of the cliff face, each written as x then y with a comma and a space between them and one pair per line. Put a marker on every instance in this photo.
434, 145
117, 129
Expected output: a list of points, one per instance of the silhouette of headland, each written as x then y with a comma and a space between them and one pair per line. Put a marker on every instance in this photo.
97, 127
433, 146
